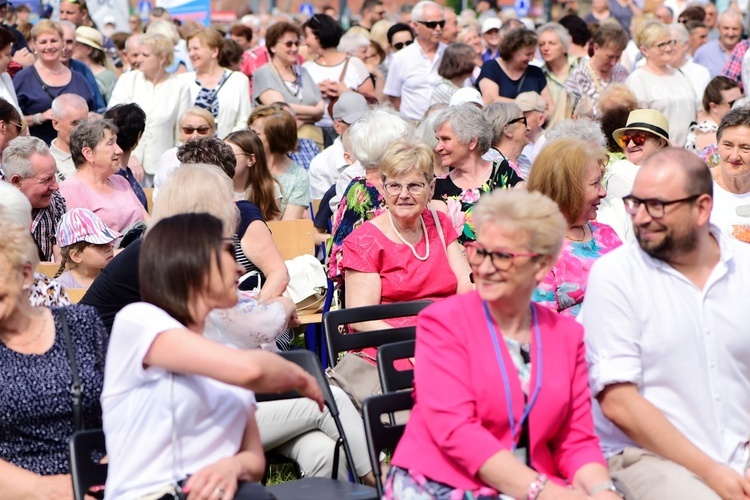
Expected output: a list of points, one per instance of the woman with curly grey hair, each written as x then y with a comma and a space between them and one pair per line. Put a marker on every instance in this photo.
464, 135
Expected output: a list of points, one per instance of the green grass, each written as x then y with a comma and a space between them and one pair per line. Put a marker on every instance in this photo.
280, 473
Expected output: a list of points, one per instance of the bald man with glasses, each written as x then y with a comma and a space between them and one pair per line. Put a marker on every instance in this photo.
666, 322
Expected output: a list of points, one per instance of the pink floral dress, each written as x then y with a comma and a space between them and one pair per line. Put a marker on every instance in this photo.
565, 286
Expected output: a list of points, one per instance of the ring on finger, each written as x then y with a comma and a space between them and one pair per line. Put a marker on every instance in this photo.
219, 492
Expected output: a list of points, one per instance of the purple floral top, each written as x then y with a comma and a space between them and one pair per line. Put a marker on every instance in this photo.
565, 286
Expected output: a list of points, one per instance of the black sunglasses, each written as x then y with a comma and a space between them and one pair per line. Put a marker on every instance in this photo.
521, 119
432, 24
401, 45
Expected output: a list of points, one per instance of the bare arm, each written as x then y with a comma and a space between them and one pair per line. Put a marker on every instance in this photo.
363, 289
294, 212
258, 246
395, 102
491, 92
460, 267
547, 96
305, 113
16, 482
649, 428
183, 351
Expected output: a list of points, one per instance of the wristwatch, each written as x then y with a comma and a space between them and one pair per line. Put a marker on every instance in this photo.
608, 486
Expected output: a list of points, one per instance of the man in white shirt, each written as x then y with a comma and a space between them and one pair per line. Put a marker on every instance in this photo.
666, 321
413, 70
67, 111
326, 166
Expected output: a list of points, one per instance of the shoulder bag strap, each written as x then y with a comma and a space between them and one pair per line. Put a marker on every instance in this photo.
439, 228
76, 390
44, 86
343, 71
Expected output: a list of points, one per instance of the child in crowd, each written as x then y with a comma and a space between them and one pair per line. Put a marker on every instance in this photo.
86, 246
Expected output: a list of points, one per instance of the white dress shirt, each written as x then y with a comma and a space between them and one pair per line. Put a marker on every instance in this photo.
685, 349
412, 76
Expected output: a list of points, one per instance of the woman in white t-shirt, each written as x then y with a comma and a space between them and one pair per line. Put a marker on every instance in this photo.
176, 405
332, 71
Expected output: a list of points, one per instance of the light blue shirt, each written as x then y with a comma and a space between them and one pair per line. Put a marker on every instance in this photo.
712, 56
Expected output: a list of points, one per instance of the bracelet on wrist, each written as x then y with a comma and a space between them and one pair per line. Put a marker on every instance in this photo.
608, 486
536, 487
37, 121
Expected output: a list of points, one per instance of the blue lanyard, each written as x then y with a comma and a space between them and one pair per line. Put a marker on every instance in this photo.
515, 429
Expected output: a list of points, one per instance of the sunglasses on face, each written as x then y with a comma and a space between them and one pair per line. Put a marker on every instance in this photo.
401, 45
202, 130
638, 138
520, 119
291, 44
730, 103
432, 24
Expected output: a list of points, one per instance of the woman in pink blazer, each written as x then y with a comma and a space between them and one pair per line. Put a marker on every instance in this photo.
502, 403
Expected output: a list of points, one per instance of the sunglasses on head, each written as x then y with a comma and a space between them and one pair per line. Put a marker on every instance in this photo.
401, 45
202, 130
638, 138
432, 24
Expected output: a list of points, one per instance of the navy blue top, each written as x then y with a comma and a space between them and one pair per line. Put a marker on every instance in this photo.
532, 80
36, 408
32, 98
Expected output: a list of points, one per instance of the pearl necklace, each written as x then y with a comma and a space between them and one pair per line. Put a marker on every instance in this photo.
413, 250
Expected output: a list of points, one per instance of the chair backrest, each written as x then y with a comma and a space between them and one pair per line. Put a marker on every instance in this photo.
75, 294
308, 361
49, 269
391, 379
338, 341
293, 237
149, 192
380, 433
85, 469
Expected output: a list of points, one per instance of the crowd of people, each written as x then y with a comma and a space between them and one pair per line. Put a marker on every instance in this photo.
573, 195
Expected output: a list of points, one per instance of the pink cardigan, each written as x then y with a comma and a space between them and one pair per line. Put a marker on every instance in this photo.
460, 417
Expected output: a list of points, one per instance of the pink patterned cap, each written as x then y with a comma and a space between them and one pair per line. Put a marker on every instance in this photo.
81, 224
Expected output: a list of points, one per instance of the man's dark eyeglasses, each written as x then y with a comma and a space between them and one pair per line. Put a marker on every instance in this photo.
655, 208
400, 45
521, 119
432, 24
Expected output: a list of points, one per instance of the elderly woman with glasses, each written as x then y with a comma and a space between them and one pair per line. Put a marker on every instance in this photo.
502, 402
195, 122
509, 129
409, 252
659, 86
570, 172
464, 135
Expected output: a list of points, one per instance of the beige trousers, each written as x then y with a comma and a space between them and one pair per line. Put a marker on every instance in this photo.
642, 475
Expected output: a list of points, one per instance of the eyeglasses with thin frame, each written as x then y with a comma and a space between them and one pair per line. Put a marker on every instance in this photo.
395, 189
501, 261
664, 46
400, 45
431, 25
521, 119
202, 130
18, 126
655, 208
638, 138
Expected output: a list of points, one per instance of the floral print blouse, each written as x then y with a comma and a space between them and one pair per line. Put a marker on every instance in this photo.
563, 289
461, 201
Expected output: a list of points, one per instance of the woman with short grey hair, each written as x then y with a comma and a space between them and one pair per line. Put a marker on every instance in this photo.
508, 135
554, 42
96, 185
464, 135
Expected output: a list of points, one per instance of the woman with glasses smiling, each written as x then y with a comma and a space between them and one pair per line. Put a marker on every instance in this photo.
659, 86
501, 384
195, 122
409, 252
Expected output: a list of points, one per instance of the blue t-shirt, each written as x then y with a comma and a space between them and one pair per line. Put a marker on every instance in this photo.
33, 98
533, 79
